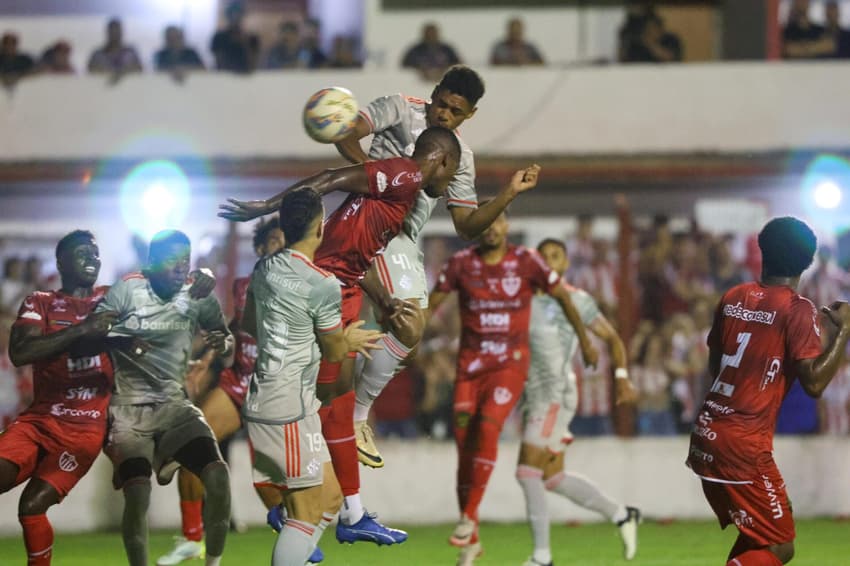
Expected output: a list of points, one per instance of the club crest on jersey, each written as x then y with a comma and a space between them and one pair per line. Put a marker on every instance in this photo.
511, 285
502, 395
68, 462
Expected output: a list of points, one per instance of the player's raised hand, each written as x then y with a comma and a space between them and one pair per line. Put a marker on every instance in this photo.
203, 283
525, 179
625, 392
360, 340
242, 210
99, 324
839, 313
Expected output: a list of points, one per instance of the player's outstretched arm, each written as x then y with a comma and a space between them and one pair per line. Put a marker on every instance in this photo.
472, 222
335, 345
588, 352
816, 373
350, 179
625, 392
349, 147
28, 345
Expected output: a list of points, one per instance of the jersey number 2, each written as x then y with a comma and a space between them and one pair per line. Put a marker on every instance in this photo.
734, 361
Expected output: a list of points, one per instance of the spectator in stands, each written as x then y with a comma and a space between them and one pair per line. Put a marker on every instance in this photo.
654, 44
599, 277
175, 56
310, 52
514, 50
834, 404
235, 49
285, 54
581, 245
13, 64
825, 281
115, 57
57, 59
637, 12
431, 57
803, 39
13, 287
650, 375
725, 272
840, 35
344, 53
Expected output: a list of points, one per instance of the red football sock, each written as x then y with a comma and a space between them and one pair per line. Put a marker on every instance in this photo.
193, 522
38, 538
464, 476
761, 557
338, 428
484, 459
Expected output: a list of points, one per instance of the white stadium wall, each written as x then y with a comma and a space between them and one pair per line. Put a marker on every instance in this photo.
417, 484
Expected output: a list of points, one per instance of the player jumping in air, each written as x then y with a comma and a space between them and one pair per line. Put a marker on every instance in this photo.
293, 307
496, 282
151, 419
382, 193
549, 404
55, 441
764, 335
396, 121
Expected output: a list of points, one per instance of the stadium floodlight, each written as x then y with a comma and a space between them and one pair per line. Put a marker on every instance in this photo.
155, 195
827, 194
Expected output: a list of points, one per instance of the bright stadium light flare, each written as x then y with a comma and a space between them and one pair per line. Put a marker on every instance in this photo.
827, 194
158, 201
155, 195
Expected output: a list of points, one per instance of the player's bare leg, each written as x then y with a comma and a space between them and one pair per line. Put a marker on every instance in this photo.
402, 336
309, 512
584, 493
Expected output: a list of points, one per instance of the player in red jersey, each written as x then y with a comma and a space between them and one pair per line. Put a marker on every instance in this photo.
382, 193
496, 282
221, 408
764, 334
55, 441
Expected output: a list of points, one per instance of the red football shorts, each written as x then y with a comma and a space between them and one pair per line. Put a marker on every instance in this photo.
57, 452
231, 383
760, 510
352, 300
492, 394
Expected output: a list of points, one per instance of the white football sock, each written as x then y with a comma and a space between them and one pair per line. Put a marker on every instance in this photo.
213, 560
585, 493
531, 481
376, 373
294, 544
320, 529
352, 509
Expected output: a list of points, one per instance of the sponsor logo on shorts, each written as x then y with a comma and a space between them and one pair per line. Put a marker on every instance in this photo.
68, 462
405, 282
773, 498
741, 518
771, 371
60, 410
502, 395
313, 467
702, 427
700, 455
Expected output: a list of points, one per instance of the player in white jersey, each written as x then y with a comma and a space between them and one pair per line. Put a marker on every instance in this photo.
395, 122
549, 404
294, 308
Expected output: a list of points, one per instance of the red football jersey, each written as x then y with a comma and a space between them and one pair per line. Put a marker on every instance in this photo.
761, 331
495, 306
72, 389
363, 225
235, 379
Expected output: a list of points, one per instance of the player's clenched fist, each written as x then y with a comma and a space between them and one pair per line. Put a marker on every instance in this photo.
99, 324
525, 179
839, 313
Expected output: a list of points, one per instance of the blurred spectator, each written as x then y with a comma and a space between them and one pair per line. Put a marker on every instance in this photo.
593, 413
651, 44
825, 282
235, 49
599, 277
650, 375
15, 383
344, 53
395, 408
175, 56
13, 64
285, 53
115, 57
514, 50
14, 287
57, 59
725, 272
310, 53
653, 258
581, 245
803, 39
430, 56
834, 404
840, 36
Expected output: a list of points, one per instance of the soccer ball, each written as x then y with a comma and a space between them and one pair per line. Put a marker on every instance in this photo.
330, 114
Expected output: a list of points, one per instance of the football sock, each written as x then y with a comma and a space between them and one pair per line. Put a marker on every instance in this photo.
376, 373
464, 477
213, 560
216, 480
338, 429
587, 494
761, 557
38, 539
134, 522
193, 524
327, 519
487, 436
352, 509
294, 544
531, 481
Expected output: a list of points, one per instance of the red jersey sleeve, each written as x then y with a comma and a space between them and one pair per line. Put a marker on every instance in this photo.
397, 180
802, 336
33, 312
539, 274
447, 280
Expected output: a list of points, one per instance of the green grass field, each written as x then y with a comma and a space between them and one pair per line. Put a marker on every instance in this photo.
819, 543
